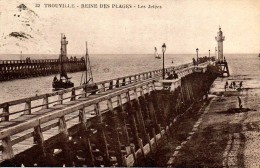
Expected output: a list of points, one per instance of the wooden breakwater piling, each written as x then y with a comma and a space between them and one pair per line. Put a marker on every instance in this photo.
18, 69
119, 125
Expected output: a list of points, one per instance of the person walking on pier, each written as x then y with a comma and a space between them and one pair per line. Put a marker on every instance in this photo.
239, 103
226, 85
234, 84
194, 62
55, 78
175, 75
240, 84
231, 85
170, 76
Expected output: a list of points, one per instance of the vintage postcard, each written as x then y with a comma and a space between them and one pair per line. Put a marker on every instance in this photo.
129, 83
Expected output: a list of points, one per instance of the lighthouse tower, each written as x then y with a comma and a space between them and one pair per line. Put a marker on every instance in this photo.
220, 38
63, 48
222, 63
63, 57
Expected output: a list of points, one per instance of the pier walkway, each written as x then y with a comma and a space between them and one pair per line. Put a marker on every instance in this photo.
42, 120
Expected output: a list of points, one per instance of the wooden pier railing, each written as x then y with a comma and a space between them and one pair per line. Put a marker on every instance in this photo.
46, 100
36, 120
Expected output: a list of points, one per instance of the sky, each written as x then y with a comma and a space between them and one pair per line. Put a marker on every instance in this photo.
183, 25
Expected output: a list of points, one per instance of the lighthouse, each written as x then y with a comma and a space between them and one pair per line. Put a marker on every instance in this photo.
220, 38
221, 63
63, 49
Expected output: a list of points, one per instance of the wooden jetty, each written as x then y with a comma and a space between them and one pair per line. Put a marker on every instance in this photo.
18, 69
119, 123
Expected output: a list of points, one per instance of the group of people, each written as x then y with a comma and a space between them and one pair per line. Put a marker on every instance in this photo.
233, 85
202, 60
28, 59
55, 79
74, 58
172, 75
222, 61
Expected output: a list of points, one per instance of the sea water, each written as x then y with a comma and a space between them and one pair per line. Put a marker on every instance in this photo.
110, 66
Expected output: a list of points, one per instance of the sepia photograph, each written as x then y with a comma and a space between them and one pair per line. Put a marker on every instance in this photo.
130, 83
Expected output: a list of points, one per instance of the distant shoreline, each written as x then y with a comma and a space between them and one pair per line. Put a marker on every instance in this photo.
133, 54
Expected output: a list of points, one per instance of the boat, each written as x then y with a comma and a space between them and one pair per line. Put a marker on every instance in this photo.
87, 77
157, 56
64, 81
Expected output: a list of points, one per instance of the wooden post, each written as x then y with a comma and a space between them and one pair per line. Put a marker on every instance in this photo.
7, 149
132, 147
37, 135
152, 110
73, 95
85, 89
63, 126
60, 98
184, 90
117, 146
182, 96
139, 116
117, 83
122, 113
155, 139
45, 102
38, 139
188, 88
103, 87
101, 135
144, 103
140, 142
111, 85
28, 107
155, 110
6, 112
123, 83
133, 121
90, 160
191, 90
64, 140
150, 144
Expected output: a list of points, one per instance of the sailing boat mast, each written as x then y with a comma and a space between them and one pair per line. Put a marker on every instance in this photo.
86, 62
88, 68
156, 53
21, 55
